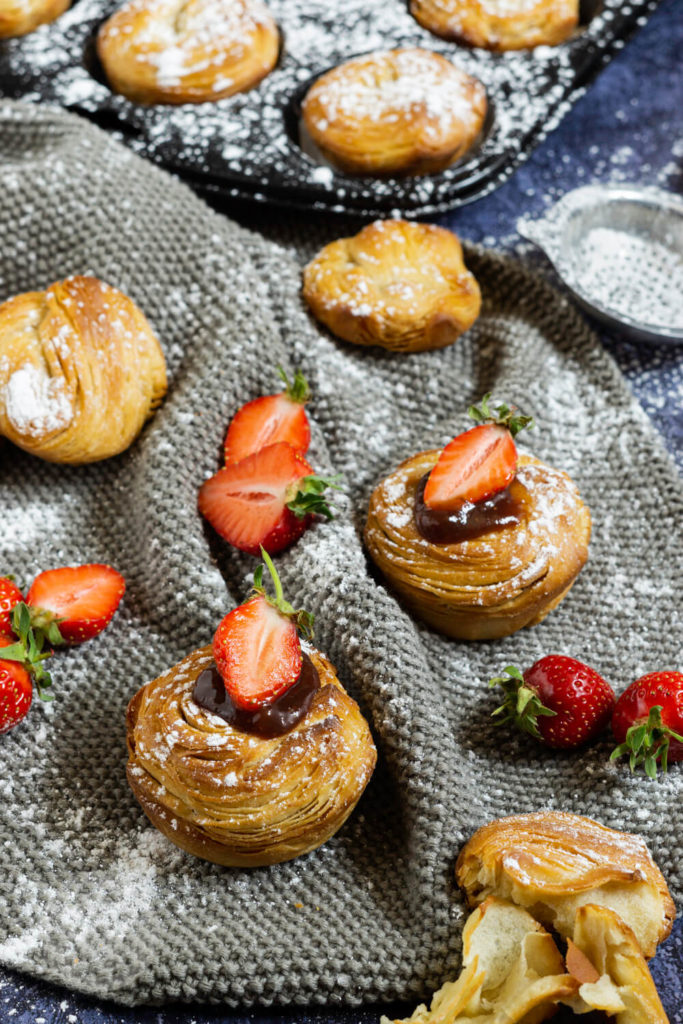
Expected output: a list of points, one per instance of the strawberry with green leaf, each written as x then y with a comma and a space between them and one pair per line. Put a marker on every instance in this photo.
10, 597
266, 500
648, 722
74, 603
559, 701
21, 667
478, 463
271, 419
256, 646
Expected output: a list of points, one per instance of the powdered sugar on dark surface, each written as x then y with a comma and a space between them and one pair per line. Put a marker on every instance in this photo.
247, 145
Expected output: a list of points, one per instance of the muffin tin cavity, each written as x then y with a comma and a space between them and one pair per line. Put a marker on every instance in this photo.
248, 145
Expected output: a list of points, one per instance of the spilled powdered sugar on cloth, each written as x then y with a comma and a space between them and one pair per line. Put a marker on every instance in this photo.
372, 915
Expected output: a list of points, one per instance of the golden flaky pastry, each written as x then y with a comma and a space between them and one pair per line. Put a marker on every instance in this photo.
512, 971
499, 24
494, 584
405, 111
18, 17
80, 371
399, 285
235, 798
620, 983
187, 51
554, 863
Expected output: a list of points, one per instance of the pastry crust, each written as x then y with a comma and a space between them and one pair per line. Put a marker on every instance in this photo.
554, 863
512, 972
625, 988
19, 17
80, 371
406, 111
187, 51
232, 797
499, 24
396, 284
497, 583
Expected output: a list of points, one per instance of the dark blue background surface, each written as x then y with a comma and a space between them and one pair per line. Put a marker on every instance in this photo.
628, 127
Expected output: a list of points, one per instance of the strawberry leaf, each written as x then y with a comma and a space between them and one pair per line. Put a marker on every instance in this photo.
298, 390
647, 744
308, 498
503, 415
521, 704
29, 649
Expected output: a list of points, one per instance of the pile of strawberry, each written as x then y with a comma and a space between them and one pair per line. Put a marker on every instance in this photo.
267, 494
63, 606
566, 704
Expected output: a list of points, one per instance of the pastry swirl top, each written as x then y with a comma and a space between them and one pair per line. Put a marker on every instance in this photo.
80, 371
493, 584
237, 798
556, 861
187, 51
400, 285
499, 24
407, 111
19, 17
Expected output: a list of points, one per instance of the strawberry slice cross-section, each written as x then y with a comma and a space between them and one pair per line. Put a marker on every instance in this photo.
266, 500
269, 420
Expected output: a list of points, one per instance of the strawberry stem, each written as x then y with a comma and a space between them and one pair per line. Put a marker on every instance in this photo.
647, 743
296, 390
307, 499
303, 620
502, 415
521, 705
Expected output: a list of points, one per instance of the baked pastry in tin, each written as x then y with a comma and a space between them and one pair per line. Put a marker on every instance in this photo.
499, 24
400, 285
555, 863
236, 798
187, 51
80, 371
19, 17
406, 111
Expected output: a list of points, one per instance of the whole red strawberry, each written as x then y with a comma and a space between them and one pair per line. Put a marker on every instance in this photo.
266, 500
75, 603
559, 700
16, 689
648, 722
270, 419
10, 597
478, 463
256, 646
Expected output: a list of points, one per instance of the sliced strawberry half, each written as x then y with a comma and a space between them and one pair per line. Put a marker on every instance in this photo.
256, 646
79, 601
479, 463
269, 420
10, 597
266, 500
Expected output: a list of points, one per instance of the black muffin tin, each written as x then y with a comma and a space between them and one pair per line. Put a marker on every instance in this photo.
247, 146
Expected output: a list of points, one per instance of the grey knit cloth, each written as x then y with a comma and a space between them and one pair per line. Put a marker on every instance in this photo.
91, 896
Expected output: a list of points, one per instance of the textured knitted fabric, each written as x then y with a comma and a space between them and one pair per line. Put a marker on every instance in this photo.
91, 896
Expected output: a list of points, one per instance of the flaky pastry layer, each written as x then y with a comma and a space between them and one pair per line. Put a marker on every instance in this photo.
80, 371
406, 111
554, 863
19, 17
187, 51
495, 584
235, 798
400, 285
499, 24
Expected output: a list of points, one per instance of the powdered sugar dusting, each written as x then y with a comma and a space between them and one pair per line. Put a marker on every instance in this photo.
37, 404
249, 142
